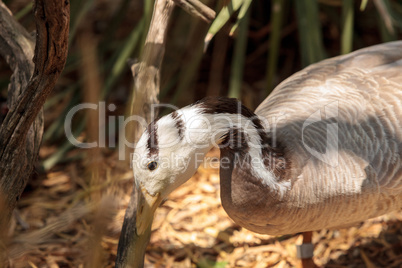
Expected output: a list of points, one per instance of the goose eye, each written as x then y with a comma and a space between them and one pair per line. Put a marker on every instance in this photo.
152, 165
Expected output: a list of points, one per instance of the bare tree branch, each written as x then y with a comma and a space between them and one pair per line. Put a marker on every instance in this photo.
146, 73
197, 9
17, 153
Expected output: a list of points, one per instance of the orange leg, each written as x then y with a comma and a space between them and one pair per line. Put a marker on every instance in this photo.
305, 252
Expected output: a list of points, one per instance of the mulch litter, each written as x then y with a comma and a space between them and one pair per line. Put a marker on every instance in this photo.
65, 220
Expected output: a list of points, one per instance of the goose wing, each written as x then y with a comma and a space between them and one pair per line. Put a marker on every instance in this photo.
340, 122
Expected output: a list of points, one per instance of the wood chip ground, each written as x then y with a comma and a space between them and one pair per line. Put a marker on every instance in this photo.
64, 221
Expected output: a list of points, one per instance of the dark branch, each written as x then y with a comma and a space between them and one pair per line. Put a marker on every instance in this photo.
16, 134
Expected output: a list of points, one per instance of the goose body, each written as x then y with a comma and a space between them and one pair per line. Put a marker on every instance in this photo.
324, 150
359, 96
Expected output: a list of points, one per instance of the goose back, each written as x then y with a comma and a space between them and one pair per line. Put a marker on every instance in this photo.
339, 124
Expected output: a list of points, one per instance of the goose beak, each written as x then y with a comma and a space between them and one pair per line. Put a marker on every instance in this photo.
146, 207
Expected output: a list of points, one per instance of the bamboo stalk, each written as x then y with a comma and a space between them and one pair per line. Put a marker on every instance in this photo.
191, 61
274, 42
381, 6
347, 27
312, 48
24, 11
216, 74
130, 45
386, 35
236, 72
78, 12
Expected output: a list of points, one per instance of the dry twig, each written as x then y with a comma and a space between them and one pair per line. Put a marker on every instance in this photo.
196, 9
146, 74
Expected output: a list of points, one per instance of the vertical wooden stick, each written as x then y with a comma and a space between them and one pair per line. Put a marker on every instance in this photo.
146, 73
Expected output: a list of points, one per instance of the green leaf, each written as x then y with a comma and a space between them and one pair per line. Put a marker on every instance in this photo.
363, 5
223, 17
243, 10
20, 14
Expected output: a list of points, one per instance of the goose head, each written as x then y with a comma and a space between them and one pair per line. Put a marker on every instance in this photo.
171, 149
167, 155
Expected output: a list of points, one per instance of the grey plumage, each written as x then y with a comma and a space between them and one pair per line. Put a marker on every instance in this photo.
331, 156
359, 97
